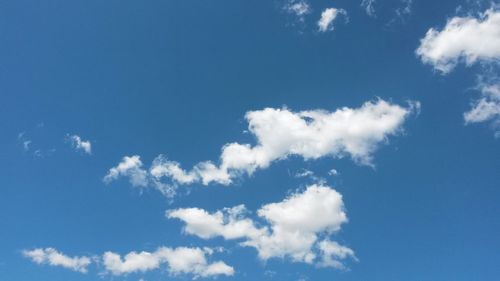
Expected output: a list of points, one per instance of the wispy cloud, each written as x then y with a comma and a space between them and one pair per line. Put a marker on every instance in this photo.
369, 6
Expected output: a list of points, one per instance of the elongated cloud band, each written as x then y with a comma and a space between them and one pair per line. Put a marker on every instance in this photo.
181, 260
280, 133
53, 257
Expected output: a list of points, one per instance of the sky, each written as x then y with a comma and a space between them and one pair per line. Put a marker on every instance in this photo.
293, 140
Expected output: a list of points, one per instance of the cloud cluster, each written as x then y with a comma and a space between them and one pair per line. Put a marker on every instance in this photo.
466, 39
180, 260
279, 133
52, 257
296, 228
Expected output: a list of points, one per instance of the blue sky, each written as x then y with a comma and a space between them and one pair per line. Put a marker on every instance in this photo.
345, 140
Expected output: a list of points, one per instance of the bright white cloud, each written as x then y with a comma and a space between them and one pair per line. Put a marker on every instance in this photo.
80, 144
52, 257
368, 5
280, 133
467, 39
228, 223
292, 231
325, 23
180, 260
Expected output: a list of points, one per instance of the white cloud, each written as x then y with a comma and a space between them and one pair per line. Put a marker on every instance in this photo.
130, 167
299, 8
332, 254
52, 257
293, 225
368, 6
467, 39
180, 260
280, 133
80, 144
327, 17
304, 173
487, 108
333, 172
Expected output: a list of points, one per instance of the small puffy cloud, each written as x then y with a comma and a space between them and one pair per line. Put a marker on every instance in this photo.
333, 172
52, 257
299, 8
180, 260
368, 5
468, 39
293, 226
131, 167
487, 107
328, 15
280, 133
80, 144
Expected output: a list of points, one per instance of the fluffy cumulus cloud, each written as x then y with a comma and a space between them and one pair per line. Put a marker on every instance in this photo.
180, 260
329, 15
52, 257
280, 133
468, 39
79, 144
296, 228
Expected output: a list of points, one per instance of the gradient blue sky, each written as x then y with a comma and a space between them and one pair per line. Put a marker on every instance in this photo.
177, 77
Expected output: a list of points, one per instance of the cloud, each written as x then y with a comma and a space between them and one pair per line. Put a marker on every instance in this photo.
486, 108
180, 260
80, 144
299, 8
130, 167
229, 223
332, 253
333, 172
279, 133
52, 257
304, 173
368, 6
463, 39
293, 226
327, 17
405, 10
